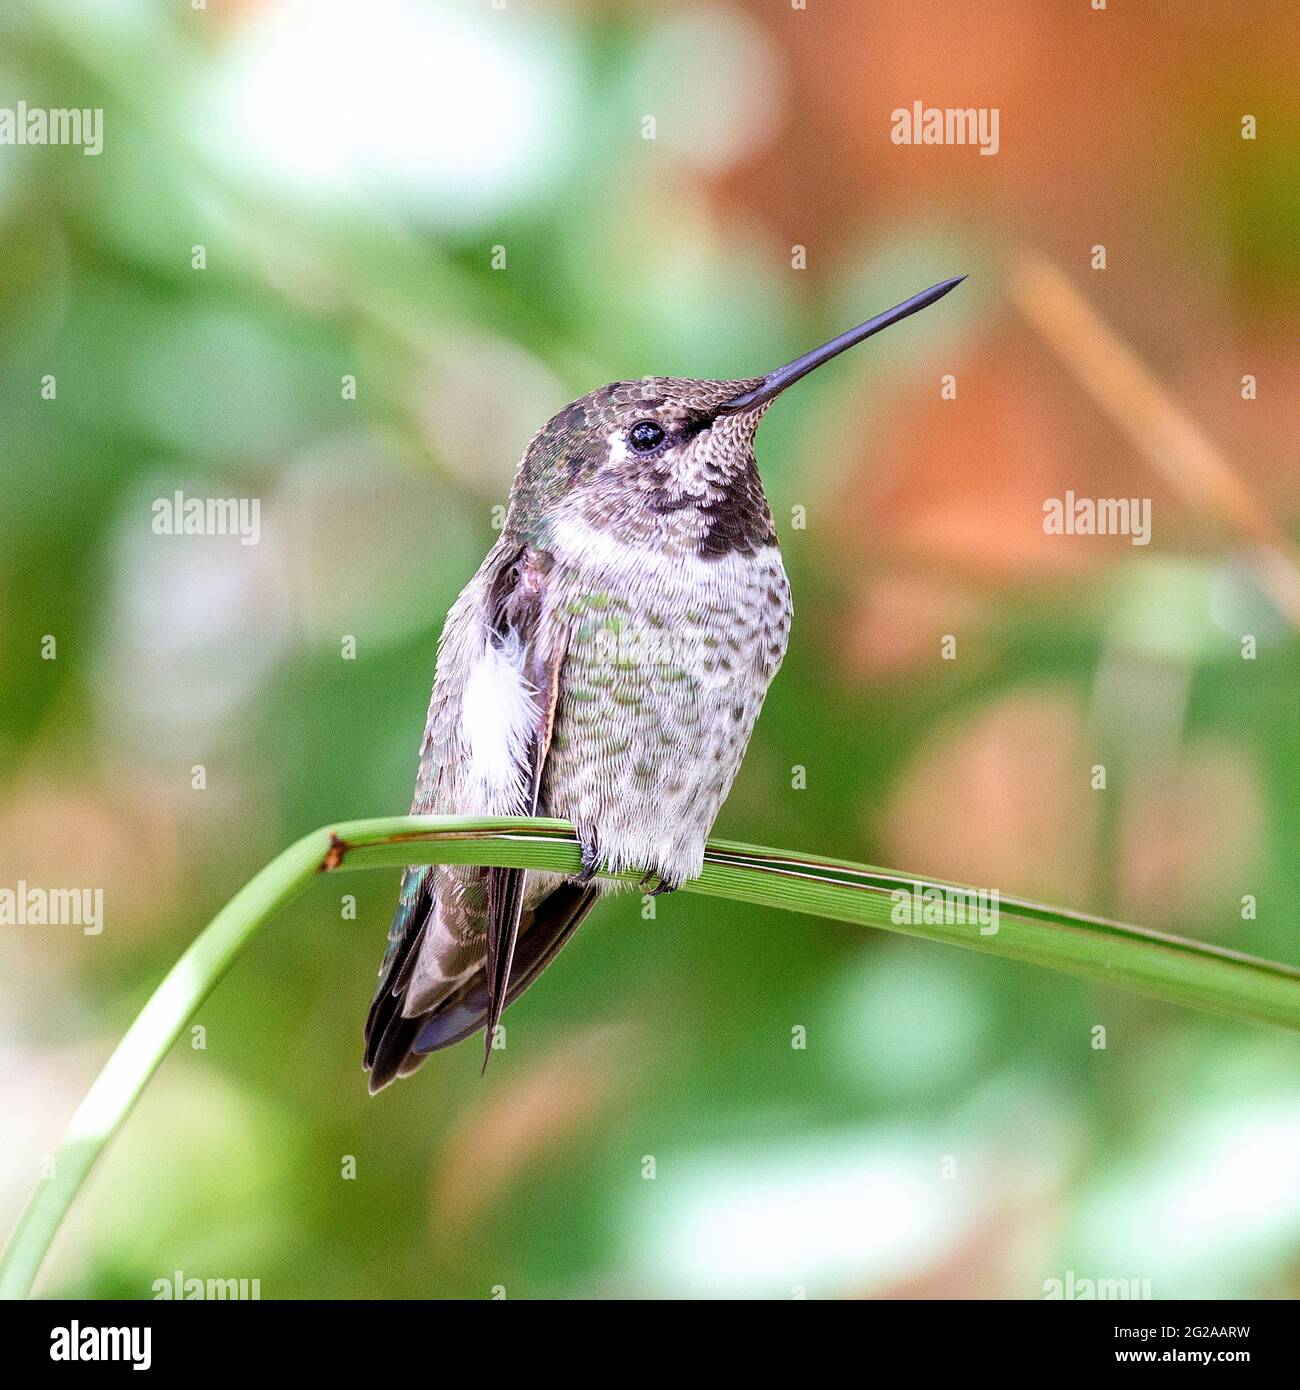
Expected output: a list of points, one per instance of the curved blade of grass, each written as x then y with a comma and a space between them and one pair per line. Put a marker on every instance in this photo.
1166, 967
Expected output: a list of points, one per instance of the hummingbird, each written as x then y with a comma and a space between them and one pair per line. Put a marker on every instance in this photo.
605, 665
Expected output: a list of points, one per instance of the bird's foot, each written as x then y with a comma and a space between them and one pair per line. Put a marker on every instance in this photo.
590, 861
661, 884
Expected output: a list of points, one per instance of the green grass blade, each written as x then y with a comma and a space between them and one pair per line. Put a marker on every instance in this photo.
1166, 967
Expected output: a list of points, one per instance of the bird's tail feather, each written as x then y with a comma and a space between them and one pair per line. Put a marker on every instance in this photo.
396, 1045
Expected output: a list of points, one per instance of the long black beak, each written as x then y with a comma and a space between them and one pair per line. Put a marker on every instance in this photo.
776, 382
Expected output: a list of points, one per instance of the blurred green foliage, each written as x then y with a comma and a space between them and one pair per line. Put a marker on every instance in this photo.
951, 1126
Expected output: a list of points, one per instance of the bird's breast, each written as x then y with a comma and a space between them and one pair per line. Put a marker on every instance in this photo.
667, 660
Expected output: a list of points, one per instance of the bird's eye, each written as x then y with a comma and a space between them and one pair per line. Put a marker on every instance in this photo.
645, 435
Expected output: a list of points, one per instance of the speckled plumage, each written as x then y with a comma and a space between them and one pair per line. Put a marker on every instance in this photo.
657, 590
605, 665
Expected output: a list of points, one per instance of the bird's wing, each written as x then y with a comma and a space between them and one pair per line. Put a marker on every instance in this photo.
545, 928
451, 963
518, 615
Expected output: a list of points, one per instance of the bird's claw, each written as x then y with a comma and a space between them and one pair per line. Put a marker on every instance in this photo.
590, 862
661, 885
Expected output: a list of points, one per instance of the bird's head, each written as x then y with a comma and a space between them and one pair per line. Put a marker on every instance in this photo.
668, 461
